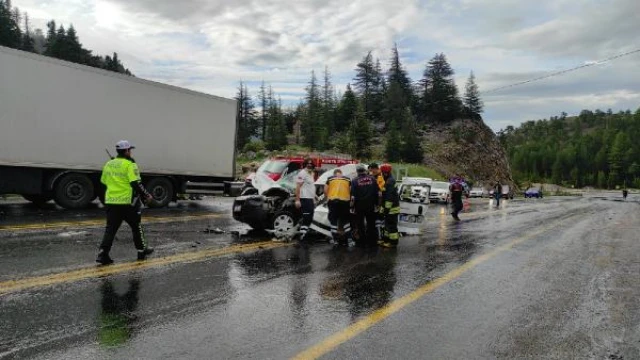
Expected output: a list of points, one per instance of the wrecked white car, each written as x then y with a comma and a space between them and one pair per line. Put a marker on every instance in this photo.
273, 207
412, 208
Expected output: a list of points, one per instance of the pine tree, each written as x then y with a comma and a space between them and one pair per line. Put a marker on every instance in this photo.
364, 83
52, 38
315, 135
360, 134
440, 98
602, 180
346, 110
28, 43
60, 45
264, 102
473, 105
276, 128
378, 93
556, 171
395, 104
411, 150
618, 160
393, 147
10, 33
328, 103
400, 93
397, 74
247, 126
73, 49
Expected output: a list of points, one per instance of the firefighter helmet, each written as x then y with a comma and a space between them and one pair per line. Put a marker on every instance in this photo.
386, 168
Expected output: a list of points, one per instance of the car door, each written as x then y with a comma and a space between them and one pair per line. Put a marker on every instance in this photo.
412, 213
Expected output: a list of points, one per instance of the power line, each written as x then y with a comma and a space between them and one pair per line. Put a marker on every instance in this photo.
561, 72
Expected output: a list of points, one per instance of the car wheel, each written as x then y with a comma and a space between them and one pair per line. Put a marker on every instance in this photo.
283, 223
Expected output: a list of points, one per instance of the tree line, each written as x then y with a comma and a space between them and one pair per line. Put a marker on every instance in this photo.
383, 106
595, 148
58, 42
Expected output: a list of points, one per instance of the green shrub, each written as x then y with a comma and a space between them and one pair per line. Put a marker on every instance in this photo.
255, 146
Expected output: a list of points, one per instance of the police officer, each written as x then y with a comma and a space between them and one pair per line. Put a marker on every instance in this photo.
364, 197
337, 191
122, 200
374, 170
391, 209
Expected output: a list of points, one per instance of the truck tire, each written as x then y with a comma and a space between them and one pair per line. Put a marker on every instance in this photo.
74, 191
37, 200
162, 191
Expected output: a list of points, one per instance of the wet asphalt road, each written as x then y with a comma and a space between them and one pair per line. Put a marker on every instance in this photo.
553, 278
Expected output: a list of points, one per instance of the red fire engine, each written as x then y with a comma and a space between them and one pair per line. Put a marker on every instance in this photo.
277, 166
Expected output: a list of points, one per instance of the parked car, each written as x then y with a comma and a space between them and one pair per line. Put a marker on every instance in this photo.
533, 193
507, 193
439, 192
417, 188
476, 192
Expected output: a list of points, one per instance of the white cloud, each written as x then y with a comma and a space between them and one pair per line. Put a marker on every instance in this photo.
210, 45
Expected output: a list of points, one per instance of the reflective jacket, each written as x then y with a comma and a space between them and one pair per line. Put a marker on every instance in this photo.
339, 188
120, 175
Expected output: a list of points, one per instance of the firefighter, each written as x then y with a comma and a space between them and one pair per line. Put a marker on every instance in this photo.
364, 197
337, 191
122, 200
391, 209
374, 170
305, 196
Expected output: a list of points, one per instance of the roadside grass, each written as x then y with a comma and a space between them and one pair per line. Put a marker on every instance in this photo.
416, 170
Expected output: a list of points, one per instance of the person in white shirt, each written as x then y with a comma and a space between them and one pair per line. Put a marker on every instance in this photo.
305, 195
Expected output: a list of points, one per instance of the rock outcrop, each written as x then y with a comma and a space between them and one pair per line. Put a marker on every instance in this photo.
468, 147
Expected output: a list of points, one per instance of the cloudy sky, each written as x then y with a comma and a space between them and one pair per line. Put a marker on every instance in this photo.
210, 45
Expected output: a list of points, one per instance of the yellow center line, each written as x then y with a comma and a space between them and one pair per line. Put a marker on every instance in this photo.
333, 341
102, 222
99, 271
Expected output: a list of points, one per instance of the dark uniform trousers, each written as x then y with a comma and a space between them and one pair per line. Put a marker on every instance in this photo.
307, 207
116, 214
367, 234
339, 216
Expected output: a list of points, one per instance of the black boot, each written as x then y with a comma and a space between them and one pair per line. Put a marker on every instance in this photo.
142, 254
104, 258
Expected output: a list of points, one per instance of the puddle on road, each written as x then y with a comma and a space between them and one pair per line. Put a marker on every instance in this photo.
117, 318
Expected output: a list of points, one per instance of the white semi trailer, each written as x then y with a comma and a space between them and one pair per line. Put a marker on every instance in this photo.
57, 118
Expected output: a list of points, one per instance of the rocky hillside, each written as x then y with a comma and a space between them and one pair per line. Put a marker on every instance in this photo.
468, 147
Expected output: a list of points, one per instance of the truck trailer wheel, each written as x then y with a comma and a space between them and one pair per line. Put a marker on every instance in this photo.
162, 191
37, 200
74, 191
